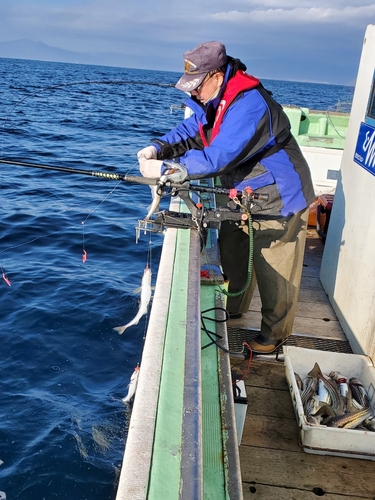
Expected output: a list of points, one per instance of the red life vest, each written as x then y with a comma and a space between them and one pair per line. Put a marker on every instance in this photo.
239, 83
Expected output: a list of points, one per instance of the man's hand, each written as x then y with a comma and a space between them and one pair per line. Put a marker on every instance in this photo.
150, 168
149, 153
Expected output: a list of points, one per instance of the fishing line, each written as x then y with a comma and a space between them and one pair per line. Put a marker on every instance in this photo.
7, 281
84, 253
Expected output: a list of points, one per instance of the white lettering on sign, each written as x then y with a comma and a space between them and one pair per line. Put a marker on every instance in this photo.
369, 148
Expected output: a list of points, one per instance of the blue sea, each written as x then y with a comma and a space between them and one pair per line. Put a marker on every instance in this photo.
64, 370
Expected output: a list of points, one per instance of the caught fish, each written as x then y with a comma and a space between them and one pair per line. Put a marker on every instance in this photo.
325, 413
155, 202
369, 424
350, 420
299, 382
342, 383
329, 385
132, 387
344, 389
145, 290
312, 407
309, 389
323, 394
359, 392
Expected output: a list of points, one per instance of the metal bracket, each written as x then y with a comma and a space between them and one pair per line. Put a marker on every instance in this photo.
199, 217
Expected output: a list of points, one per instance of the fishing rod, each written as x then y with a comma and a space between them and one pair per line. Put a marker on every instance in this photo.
181, 186
93, 173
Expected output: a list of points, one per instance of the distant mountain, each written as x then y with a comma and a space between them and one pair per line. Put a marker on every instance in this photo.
29, 49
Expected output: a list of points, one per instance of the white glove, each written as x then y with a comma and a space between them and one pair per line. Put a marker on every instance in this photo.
150, 153
150, 168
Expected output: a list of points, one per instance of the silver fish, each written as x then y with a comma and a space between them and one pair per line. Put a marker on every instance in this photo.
323, 394
145, 299
155, 202
342, 383
311, 408
344, 389
350, 420
310, 386
359, 392
132, 387
329, 384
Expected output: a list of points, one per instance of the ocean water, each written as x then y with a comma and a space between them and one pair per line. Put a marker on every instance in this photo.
64, 370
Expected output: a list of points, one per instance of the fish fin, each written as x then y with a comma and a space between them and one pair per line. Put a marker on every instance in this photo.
137, 290
315, 372
120, 329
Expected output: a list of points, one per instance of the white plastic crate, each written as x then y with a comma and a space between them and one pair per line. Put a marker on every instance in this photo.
321, 439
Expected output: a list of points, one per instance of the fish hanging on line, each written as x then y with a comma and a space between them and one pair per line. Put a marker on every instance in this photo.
132, 387
145, 290
7, 280
152, 208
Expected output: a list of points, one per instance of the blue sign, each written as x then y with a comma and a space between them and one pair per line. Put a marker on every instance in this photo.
365, 150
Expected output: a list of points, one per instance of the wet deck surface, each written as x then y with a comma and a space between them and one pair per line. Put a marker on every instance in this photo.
273, 464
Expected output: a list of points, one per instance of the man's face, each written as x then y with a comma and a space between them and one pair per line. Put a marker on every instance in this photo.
208, 87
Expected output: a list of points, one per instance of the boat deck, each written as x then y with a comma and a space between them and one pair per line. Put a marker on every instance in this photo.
273, 465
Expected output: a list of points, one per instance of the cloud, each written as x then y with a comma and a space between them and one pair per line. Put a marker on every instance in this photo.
348, 15
287, 37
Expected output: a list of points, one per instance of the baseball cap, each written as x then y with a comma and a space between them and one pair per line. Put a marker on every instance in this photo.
199, 62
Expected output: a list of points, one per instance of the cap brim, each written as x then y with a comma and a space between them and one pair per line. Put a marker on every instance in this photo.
187, 83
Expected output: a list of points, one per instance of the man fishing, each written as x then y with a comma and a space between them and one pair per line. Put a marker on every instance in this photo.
240, 134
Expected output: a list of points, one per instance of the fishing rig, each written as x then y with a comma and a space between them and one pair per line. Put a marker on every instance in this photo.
174, 182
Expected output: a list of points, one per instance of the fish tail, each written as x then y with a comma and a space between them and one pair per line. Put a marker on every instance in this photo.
120, 329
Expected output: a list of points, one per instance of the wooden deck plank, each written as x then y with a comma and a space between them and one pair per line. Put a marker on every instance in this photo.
310, 269
306, 309
317, 295
303, 471
265, 492
307, 326
316, 327
261, 374
270, 432
266, 402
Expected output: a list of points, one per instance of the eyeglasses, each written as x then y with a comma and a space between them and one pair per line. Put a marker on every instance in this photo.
205, 80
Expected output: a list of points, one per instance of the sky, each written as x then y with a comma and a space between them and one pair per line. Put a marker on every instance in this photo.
301, 40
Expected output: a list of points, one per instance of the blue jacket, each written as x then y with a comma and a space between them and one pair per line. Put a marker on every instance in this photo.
242, 150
